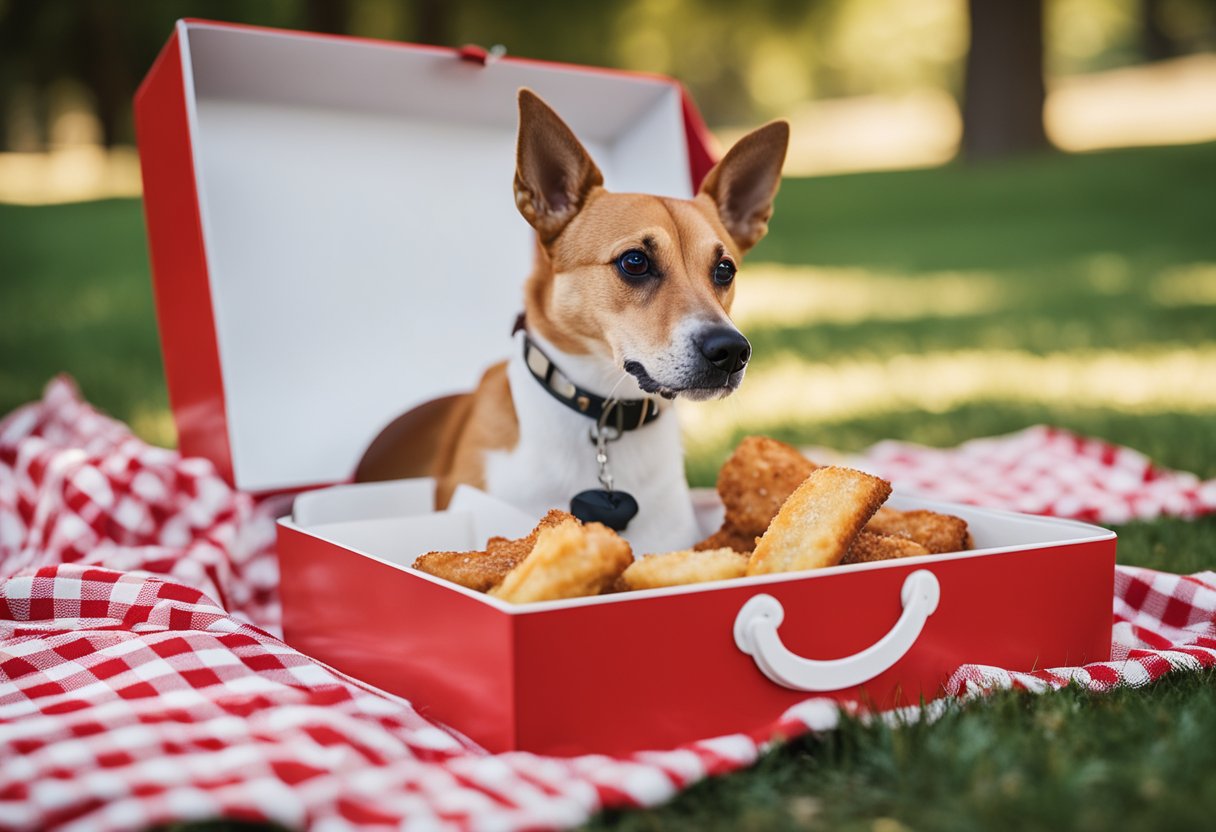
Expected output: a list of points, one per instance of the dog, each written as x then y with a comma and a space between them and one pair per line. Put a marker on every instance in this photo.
626, 309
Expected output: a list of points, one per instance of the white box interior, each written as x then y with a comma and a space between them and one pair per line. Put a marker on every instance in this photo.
364, 501
363, 246
397, 522
401, 539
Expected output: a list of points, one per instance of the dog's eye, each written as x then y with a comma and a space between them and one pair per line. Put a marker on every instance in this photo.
633, 263
724, 272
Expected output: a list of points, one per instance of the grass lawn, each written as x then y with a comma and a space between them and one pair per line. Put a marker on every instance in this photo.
934, 306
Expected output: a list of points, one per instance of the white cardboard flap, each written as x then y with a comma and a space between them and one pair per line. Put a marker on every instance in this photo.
401, 540
709, 510
363, 247
365, 501
397, 520
491, 516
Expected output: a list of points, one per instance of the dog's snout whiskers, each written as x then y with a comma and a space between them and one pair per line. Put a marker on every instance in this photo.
612, 393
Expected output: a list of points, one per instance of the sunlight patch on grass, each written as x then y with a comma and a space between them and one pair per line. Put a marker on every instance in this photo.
90, 305
1127, 381
1107, 273
771, 294
1167, 102
71, 173
1190, 285
154, 425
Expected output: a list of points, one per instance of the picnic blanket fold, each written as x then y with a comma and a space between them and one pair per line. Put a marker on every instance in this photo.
142, 680
1045, 470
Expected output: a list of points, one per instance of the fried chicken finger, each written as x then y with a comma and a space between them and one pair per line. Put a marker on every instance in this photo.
568, 561
819, 521
685, 567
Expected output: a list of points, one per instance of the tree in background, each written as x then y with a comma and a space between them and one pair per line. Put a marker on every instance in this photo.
1004, 90
102, 44
101, 48
332, 16
1156, 41
742, 62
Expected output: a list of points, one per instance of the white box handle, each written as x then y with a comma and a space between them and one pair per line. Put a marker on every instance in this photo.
756, 634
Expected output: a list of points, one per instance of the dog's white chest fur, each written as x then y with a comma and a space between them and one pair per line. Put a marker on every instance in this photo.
555, 459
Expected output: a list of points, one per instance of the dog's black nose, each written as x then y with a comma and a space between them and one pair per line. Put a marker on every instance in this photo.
726, 348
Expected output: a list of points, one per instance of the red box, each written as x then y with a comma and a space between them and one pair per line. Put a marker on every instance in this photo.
656, 668
307, 197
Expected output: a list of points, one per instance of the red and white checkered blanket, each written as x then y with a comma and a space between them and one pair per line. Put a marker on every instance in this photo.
141, 682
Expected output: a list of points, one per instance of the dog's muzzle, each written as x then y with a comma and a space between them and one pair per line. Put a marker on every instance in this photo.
726, 349
713, 368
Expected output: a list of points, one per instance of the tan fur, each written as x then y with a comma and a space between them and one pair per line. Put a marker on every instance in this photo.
407, 447
488, 424
446, 438
575, 299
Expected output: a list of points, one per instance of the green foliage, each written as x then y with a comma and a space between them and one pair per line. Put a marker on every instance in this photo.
739, 65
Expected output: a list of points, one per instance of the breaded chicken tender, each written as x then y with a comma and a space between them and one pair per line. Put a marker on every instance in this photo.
569, 560
819, 521
870, 546
939, 533
475, 570
519, 548
756, 480
726, 538
484, 570
685, 567
753, 484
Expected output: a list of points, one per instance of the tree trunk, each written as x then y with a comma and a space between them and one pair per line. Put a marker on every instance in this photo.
1004, 90
433, 22
22, 73
104, 45
327, 16
1155, 43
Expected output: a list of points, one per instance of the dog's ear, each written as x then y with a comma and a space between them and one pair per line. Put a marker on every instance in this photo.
745, 182
553, 171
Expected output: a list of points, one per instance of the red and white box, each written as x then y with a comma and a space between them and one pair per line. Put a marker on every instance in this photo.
334, 241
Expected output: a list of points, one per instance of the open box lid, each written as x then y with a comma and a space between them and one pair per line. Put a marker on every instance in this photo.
333, 233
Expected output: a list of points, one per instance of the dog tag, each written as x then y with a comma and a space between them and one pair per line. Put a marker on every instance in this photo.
612, 508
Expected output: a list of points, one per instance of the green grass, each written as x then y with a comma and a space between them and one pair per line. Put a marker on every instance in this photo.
75, 297
1079, 323
1077, 252
1151, 206
1128, 760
